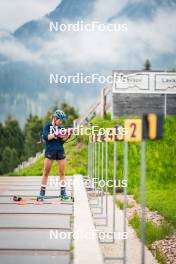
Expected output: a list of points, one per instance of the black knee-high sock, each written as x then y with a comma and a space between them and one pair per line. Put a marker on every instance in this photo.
63, 190
42, 190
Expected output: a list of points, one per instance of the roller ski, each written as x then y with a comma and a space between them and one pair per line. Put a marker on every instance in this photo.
66, 198
18, 198
38, 200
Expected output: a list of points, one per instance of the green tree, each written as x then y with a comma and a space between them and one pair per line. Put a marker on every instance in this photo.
147, 65
9, 160
13, 136
71, 112
47, 118
11, 145
32, 132
2, 138
2, 135
14, 161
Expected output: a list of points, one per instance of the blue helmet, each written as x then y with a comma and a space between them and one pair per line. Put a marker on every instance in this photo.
59, 114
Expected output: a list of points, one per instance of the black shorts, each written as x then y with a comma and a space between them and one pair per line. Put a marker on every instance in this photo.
55, 155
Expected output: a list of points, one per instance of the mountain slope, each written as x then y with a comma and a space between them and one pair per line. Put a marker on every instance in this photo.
145, 10
67, 10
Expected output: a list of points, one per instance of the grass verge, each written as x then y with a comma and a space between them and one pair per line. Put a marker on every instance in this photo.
152, 234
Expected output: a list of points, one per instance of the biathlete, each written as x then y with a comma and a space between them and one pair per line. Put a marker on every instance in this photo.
54, 150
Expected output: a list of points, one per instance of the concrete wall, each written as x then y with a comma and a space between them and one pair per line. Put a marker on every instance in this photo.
137, 104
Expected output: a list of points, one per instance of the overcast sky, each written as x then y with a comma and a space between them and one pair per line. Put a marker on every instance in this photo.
14, 13
154, 39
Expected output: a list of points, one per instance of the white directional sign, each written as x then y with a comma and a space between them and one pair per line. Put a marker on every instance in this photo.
144, 82
165, 82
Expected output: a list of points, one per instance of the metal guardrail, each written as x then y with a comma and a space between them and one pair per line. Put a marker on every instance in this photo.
98, 159
25, 164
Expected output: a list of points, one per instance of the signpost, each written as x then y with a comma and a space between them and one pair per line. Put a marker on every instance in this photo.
138, 92
144, 82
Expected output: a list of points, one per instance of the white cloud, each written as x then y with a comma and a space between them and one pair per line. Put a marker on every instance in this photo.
16, 12
89, 50
15, 51
147, 39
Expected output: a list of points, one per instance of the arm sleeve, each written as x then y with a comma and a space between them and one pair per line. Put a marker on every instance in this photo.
45, 133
